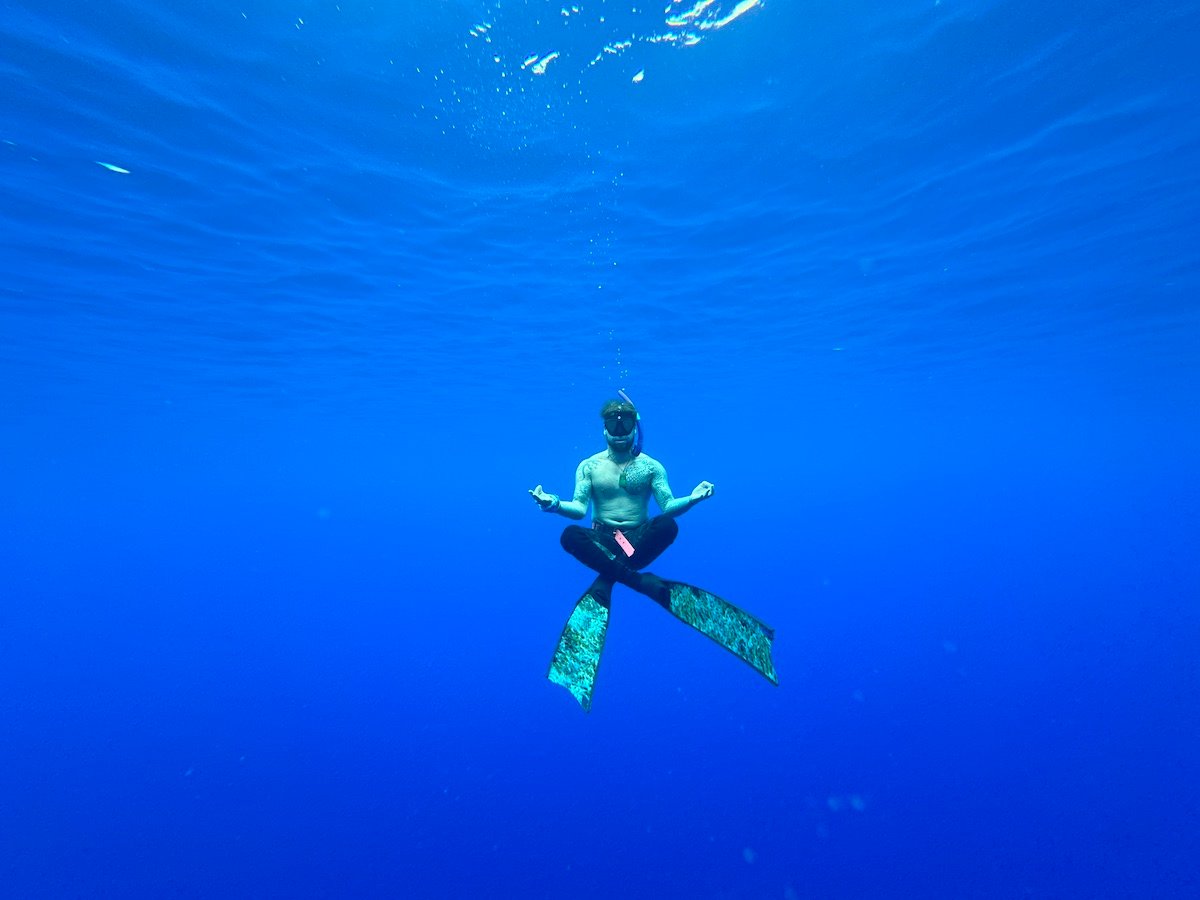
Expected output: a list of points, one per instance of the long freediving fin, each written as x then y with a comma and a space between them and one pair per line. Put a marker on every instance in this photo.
734, 629
577, 656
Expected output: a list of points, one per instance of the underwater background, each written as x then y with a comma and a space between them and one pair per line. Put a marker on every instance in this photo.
299, 299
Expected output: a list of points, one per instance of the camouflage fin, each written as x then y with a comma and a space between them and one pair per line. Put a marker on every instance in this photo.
577, 656
734, 629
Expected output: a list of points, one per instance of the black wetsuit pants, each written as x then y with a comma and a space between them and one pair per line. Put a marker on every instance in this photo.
597, 548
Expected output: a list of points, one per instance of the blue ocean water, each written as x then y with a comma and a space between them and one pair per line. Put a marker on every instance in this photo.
299, 299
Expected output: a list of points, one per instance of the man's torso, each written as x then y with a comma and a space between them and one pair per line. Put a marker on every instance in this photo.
622, 506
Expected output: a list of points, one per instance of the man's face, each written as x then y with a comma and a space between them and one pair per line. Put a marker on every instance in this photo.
619, 428
618, 443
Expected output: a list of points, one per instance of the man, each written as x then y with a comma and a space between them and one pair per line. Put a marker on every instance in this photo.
618, 483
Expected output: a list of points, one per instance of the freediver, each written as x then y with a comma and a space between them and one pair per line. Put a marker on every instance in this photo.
618, 483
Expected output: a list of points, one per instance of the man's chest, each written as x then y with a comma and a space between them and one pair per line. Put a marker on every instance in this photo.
633, 478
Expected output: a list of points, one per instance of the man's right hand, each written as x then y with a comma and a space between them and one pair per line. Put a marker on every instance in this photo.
540, 497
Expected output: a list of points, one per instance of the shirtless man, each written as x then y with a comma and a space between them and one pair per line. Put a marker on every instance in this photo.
619, 482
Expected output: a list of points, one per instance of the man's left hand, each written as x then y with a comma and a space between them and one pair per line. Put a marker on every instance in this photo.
702, 491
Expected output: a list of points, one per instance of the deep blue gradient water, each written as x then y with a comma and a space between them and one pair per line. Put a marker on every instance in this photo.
299, 299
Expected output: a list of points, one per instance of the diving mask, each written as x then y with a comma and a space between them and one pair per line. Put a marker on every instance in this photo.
621, 423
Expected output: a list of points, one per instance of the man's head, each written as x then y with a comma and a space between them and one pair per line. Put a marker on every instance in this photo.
620, 421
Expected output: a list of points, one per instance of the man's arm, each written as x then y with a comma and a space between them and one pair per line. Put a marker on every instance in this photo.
577, 506
668, 502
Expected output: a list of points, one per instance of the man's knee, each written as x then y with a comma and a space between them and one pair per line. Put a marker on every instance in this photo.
572, 536
667, 527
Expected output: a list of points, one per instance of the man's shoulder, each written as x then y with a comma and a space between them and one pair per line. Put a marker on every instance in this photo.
650, 461
586, 463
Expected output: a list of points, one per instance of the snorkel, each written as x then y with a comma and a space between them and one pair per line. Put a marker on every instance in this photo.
636, 450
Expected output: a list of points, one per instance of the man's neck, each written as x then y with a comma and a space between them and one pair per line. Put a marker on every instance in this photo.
619, 456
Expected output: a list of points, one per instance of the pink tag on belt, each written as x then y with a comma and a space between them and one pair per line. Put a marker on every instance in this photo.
623, 543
